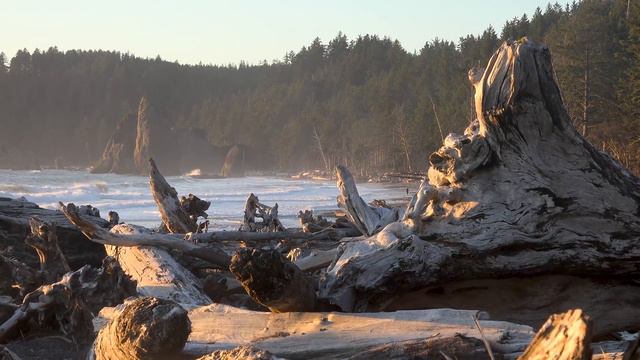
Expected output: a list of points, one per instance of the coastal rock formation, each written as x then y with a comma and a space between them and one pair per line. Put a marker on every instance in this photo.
116, 157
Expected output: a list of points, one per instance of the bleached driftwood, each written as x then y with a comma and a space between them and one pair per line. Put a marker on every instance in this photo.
367, 219
254, 209
521, 193
147, 328
564, 336
174, 217
128, 236
44, 240
157, 273
329, 335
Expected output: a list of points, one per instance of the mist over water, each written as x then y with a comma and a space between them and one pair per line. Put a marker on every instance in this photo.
131, 198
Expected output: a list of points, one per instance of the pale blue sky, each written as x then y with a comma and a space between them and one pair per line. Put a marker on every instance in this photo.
222, 32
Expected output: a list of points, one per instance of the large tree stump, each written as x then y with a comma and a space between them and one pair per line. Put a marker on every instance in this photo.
273, 281
147, 328
521, 193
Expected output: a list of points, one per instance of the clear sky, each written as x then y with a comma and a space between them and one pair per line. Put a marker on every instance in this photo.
222, 32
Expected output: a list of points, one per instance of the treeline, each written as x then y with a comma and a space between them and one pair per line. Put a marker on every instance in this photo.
365, 102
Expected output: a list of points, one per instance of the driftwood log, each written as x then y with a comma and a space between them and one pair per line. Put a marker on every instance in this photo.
156, 272
15, 227
147, 328
273, 281
73, 300
329, 335
124, 235
269, 216
174, 217
44, 240
367, 219
520, 194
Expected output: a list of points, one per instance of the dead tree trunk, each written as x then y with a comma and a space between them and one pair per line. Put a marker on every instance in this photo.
521, 193
175, 219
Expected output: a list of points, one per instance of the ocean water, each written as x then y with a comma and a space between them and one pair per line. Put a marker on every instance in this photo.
131, 198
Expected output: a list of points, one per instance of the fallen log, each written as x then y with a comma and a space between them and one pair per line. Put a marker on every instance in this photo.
273, 281
564, 336
520, 194
239, 353
128, 236
44, 240
329, 335
365, 218
174, 217
14, 228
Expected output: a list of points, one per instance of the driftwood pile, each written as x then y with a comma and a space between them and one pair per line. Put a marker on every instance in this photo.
518, 219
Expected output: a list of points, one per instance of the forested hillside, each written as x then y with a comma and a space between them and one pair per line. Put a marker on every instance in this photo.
364, 102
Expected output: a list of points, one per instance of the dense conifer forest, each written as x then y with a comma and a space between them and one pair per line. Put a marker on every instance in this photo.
364, 102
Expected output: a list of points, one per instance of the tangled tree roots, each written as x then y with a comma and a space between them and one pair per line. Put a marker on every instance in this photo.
147, 328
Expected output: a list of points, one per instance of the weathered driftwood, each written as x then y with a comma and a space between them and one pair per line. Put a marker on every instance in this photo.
147, 328
254, 209
128, 236
311, 223
44, 240
340, 335
367, 219
16, 278
521, 193
194, 206
325, 234
329, 335
14, 228
239, 353
174, 217
273, 281
564, 336
72, 300
114, 219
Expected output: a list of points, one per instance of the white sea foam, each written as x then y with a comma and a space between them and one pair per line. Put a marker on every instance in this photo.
131, 198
